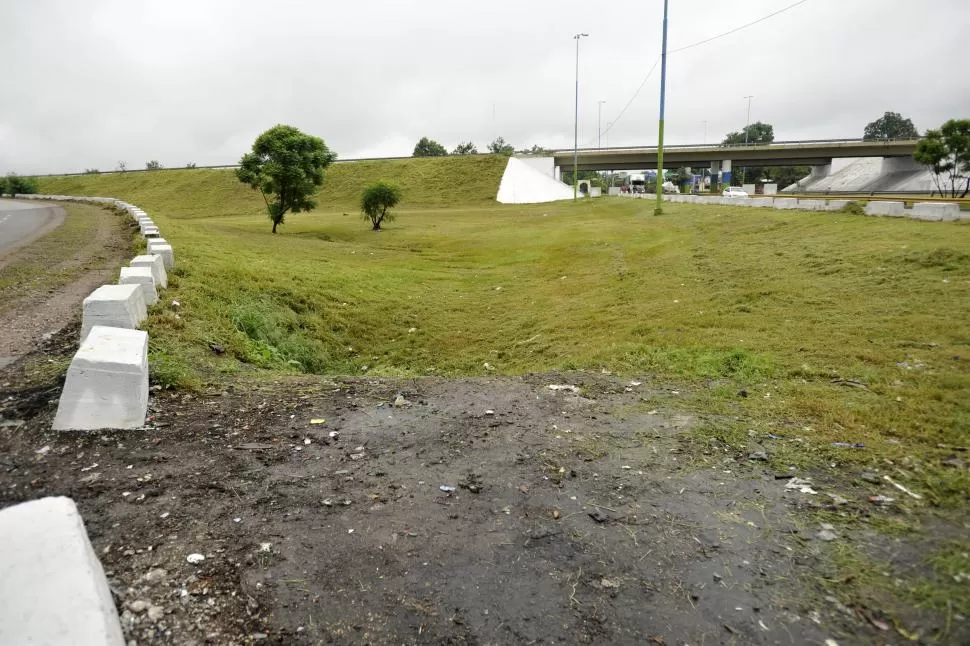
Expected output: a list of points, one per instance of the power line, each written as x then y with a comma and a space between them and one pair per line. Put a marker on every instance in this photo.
691, 46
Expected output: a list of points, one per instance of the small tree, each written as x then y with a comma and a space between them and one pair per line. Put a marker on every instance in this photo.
947, 153
376, 200
891, 125
428, 148
17, 185
122, 166
153, 165
465, 148
500, 147
190, 165
287, 166
535, 150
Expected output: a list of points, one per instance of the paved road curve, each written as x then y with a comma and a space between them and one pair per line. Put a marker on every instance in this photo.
21, 222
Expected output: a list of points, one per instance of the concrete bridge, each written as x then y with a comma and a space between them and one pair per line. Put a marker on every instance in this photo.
815, 153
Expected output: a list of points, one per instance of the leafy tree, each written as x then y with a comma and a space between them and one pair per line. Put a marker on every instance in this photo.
16, 184
758, 133
3, 186
376, 200
947, 153
190, 165
122, 166
286, 167
891, 125
499, 147
153, 165
465, 148
428, 148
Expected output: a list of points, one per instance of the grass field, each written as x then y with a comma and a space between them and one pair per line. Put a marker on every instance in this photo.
854, 327
837, 327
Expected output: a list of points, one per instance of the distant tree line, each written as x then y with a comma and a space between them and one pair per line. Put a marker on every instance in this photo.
427, 147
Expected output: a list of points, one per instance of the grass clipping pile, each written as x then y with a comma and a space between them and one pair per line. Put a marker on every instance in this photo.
491, 510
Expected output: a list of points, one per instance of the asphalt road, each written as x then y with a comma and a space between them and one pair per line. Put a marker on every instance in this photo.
22, 222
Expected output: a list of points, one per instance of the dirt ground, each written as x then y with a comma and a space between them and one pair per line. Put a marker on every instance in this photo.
472, 511
40, 308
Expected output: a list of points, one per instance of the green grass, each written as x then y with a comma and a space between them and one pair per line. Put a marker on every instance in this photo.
780, 303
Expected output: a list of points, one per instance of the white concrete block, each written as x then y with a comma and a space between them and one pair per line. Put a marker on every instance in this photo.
836, 205
936, 211
785, 202
140, 276
811, 205
883, 207
151, 232
761, 202
52, 587
159, 247
156, 264
120, 306
107, 382
145, 223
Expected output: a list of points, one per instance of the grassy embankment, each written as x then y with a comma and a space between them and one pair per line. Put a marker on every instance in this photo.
840, 327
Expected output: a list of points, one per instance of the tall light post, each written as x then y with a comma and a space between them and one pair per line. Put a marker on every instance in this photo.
599, 124
609, 124
660, 135
576, 124
744, 169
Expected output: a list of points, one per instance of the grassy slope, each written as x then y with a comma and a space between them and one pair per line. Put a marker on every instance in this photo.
196, 193
780, 303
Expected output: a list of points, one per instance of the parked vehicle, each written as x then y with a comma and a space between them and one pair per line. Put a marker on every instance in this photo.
734, 191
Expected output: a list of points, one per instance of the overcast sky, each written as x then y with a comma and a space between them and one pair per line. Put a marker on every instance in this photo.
89, 84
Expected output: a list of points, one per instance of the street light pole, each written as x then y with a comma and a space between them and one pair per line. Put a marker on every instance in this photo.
747, 125
599, 125
660, 135
576, 124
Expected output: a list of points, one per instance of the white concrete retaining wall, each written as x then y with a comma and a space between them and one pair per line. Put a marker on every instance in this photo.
54, 591
523, 183
930, 211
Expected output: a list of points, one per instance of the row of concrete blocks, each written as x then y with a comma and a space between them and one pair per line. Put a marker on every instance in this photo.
930, 211
107, 381
54, 588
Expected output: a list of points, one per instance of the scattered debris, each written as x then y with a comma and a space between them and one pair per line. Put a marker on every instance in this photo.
598, 516
400, 401
155, 613
318, 420
265, 547
870, 477
569, 387
489, 411
194, 559
333, 435
43, 450
217, 348
556, 514
412, 330
802, 485
254, 446
902, 488
849, 445
827, 534
758, 456
609, 583
473, 483
851, 383
447, 488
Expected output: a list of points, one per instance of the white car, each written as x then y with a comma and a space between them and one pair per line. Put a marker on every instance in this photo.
734, 191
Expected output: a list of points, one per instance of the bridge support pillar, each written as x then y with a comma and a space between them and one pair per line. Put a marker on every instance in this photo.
818, 172
726, 172
715, 175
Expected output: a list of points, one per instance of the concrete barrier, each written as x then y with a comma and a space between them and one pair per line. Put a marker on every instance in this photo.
156, 264
785, 202
811, 205
883, 207
140, 276
936, 211
761, 202
160, 247
836, 205
151, 232
120, 306
107, 382
54, 590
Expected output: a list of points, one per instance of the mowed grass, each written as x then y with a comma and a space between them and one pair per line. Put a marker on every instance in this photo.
840, 327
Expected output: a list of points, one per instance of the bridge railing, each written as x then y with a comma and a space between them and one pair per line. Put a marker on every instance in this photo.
774, 144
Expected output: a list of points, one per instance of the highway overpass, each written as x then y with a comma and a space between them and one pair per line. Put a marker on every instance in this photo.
816, 153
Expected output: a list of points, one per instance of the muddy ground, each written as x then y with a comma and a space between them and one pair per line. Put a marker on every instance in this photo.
476, 511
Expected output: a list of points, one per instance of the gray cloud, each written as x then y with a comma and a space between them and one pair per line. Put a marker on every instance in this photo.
89, 84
